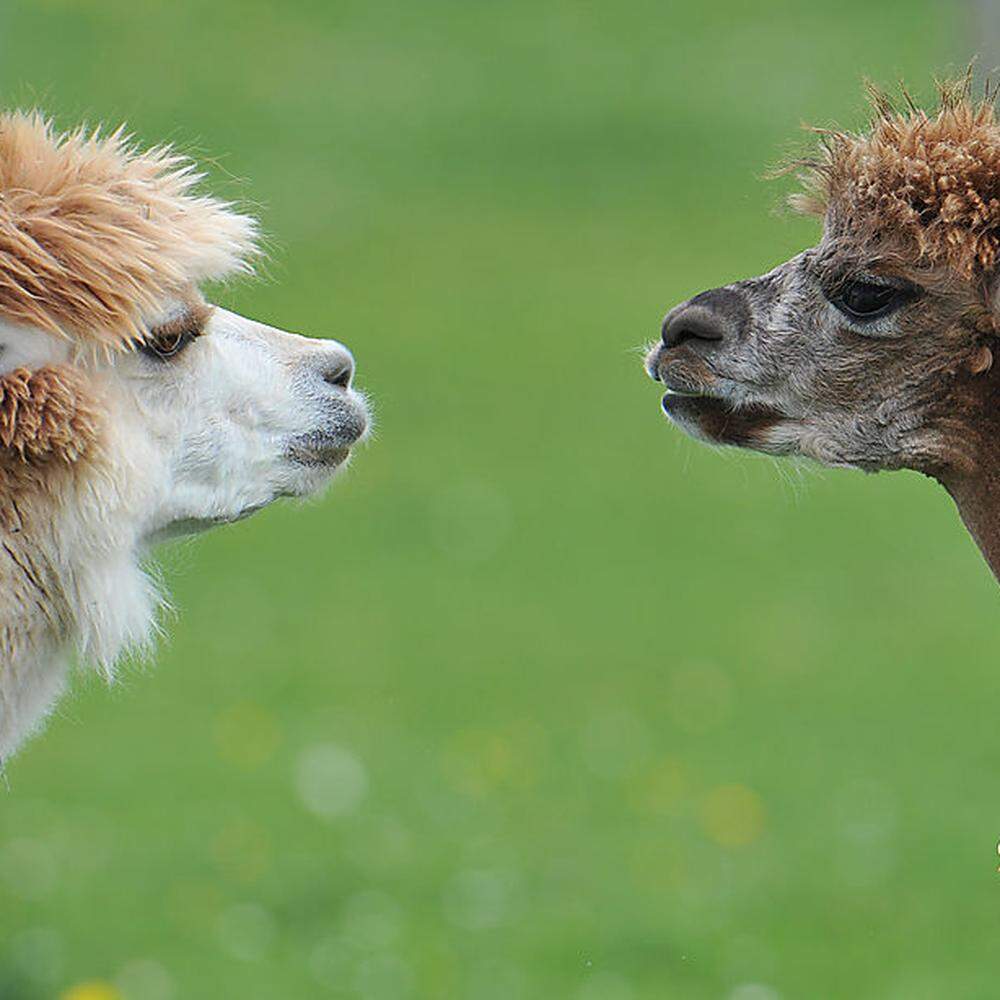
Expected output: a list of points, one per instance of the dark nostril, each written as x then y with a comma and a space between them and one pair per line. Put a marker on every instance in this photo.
339, 374
718, 314
691, 323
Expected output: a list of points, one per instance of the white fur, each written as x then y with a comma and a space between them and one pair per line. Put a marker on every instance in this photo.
241, 417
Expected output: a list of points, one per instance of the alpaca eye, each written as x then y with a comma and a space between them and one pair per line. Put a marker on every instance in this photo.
867, 300
169, 344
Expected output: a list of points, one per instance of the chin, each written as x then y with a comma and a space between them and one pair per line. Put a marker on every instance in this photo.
715, 420
311, 473
299, 480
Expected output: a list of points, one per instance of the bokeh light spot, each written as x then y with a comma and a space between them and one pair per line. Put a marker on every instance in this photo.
93, 990
732, 815
331, 781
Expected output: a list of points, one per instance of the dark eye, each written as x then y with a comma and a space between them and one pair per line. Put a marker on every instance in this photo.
868, 300
167, 344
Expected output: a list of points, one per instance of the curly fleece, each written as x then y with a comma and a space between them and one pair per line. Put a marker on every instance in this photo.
923, 185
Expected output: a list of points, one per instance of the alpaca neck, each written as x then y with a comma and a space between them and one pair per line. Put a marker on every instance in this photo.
973, 479
70, 583
978, 501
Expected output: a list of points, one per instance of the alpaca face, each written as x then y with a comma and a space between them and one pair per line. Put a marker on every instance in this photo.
233, 415
101, 455
214, 417
130, 411
842, 358
870, 348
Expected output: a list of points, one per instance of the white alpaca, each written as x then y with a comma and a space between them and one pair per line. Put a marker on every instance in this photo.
130, 410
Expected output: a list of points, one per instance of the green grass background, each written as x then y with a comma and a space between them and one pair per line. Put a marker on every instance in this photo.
541, 700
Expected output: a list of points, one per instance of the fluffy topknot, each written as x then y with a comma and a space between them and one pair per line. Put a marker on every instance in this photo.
925, 185
95, 234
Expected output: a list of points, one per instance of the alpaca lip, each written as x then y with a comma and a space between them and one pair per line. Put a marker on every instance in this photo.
680, 371
318, 450
681, 383
673, 401
686, 393
717, 421
329, 446
677, 384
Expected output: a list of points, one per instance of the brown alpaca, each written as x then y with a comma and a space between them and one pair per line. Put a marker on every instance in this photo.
873, 349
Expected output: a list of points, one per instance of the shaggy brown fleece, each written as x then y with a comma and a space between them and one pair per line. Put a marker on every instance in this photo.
924, 186
49, 423
95, 235
46, 414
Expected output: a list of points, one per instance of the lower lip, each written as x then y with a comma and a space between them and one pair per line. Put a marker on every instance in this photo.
684, 395
329, 457
673, 397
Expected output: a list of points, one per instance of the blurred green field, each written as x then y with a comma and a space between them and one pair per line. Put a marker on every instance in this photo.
542, 700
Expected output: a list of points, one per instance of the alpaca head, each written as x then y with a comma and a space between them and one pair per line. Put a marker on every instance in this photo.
131, 410
874, 348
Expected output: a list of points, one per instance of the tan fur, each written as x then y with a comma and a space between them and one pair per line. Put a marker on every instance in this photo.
96, 234
46, 414
922, 186
49, 423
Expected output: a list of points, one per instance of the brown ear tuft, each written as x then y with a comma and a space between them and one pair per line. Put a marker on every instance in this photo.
45, 414
981, 361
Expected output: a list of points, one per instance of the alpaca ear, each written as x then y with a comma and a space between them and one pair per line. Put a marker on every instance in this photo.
45, 414
981, 360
